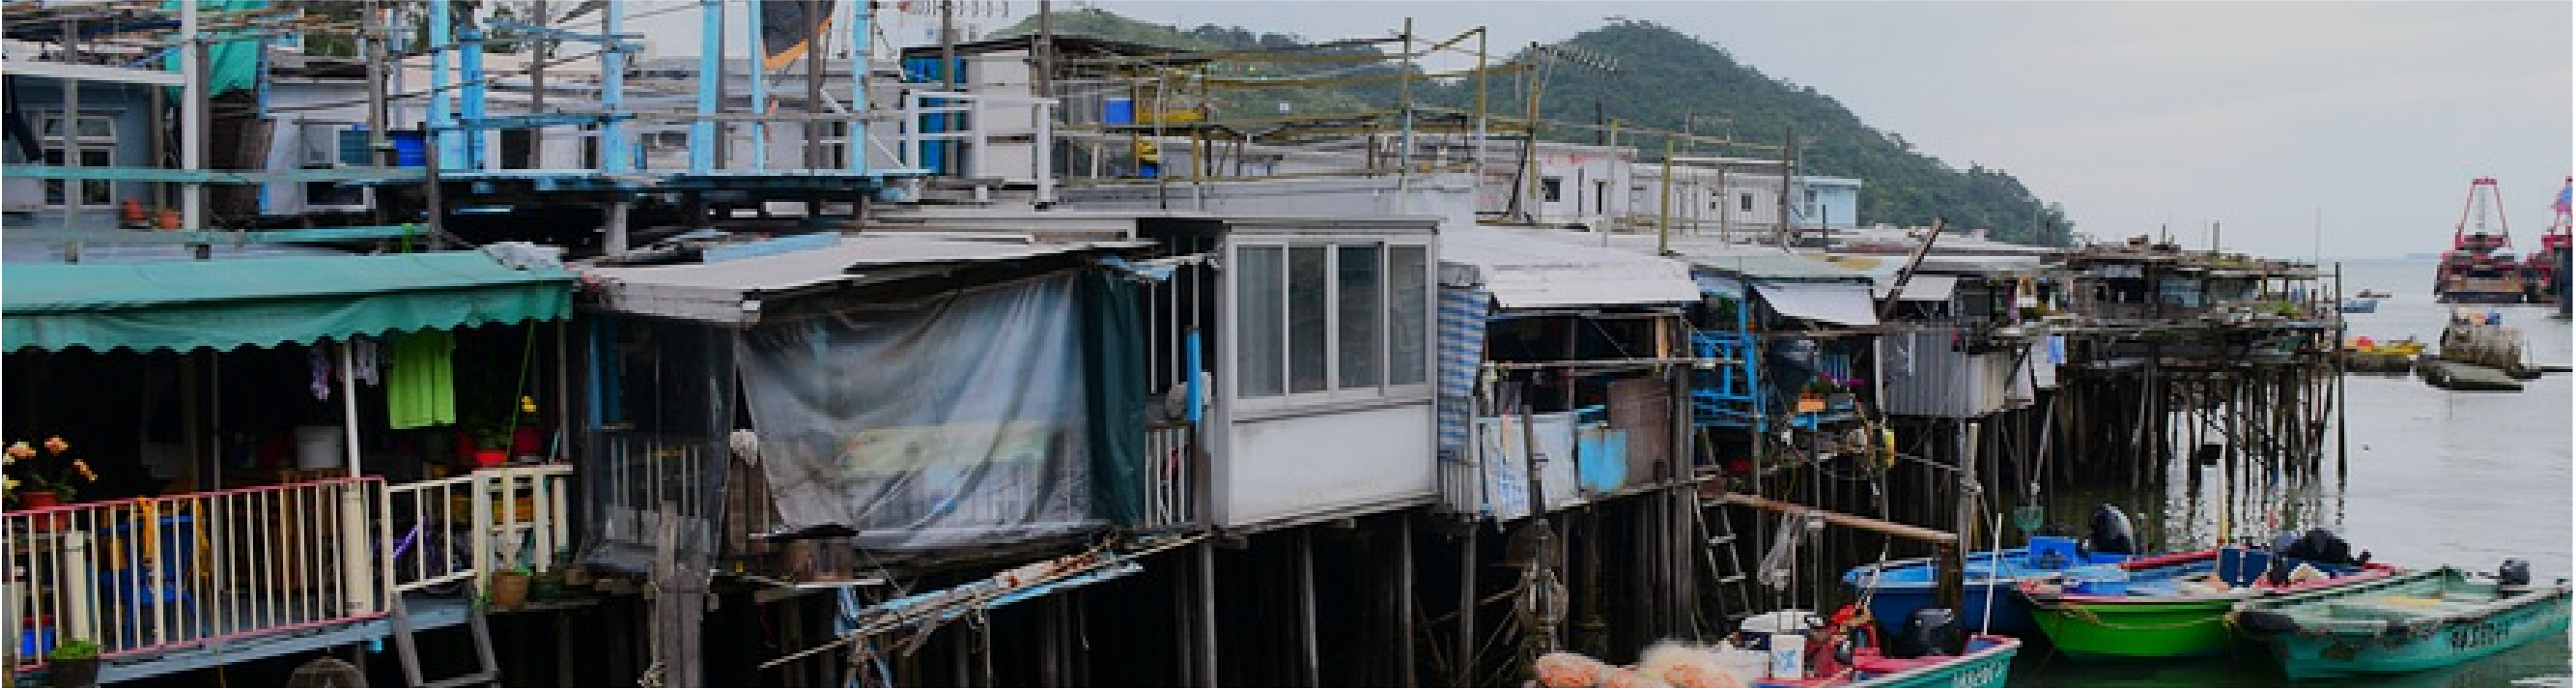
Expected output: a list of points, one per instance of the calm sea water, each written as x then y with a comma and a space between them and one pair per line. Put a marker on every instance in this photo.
2432, 477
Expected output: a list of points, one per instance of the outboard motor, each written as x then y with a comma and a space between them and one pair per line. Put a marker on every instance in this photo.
2514, 573
1933, 631
2111, 531
2320, 545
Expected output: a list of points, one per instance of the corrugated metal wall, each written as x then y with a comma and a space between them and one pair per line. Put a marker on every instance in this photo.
1926, 377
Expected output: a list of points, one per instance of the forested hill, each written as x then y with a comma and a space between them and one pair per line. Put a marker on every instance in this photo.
1663, 77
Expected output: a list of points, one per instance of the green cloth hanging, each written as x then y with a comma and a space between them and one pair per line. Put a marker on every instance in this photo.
421, 389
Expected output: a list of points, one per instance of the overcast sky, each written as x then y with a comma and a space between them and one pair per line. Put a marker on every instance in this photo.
2261, 116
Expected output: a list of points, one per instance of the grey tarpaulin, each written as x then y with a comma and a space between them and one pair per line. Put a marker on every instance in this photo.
957, 422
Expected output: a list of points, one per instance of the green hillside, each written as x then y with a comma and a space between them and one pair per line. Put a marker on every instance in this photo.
1662, 78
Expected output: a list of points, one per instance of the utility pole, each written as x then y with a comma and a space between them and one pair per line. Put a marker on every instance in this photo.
1045, 49
1529, 142
1788, 165
1664, 207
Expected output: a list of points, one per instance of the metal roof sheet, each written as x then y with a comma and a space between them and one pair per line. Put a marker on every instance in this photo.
1837, 303
730, 291
1919, 288
1750, 261
1528, 272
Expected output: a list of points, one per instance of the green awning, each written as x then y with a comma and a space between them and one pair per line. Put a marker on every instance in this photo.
267, 301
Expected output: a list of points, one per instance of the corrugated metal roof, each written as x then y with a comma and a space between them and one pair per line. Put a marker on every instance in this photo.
1528, 272
1768, 264
1756, 262
729, 291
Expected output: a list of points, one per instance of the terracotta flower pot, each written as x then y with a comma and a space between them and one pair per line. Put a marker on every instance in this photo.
35, 500
40, 499
507, 590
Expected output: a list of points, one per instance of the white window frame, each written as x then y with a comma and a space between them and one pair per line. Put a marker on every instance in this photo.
1333, 394
49, 140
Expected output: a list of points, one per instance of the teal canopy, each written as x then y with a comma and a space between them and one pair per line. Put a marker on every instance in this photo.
267, 301
231, 65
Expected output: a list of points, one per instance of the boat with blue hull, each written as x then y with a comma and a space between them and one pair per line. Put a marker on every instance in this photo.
1896, 589
2405, 623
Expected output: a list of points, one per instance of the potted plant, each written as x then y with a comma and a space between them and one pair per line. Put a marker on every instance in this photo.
508, 588
491, 442
72, 664
46, 478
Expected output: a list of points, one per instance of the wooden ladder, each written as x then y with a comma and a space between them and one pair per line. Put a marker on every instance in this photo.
488, 673
1734, 592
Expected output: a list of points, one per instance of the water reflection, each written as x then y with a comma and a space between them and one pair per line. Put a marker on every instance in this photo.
2427, 478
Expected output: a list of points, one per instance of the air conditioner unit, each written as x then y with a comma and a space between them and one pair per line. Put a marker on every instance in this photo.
306, 145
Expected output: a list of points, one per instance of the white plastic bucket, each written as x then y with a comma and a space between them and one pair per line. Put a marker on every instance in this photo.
318, 447
1788, 656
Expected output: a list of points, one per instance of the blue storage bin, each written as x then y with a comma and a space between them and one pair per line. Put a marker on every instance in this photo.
2052, 553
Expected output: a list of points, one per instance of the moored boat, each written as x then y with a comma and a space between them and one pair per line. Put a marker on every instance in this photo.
1896, 589
2358, 305
2408, 622
1796, 649
2477, 269
2174, 605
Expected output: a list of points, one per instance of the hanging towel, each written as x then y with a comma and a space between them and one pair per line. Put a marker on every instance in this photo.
421, 389
319, 361
362, 360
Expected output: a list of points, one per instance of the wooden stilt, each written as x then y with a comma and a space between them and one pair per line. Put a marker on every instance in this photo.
1404, 605
1314, 671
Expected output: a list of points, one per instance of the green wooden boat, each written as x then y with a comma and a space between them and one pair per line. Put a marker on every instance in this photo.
2156, 612
1987, 664
2409, 622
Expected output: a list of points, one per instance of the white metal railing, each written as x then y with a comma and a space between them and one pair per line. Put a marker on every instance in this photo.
987, 117
146, 574
1170, 495
143, 575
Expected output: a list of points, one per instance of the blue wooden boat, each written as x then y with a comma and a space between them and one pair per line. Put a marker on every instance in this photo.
1896, 589
2403, 623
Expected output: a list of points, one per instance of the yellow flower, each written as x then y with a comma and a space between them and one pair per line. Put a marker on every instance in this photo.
82, 466
528, 404
8, 484
56, 445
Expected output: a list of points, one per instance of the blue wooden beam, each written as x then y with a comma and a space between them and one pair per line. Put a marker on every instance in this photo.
127, 236
623, 41
126, 174
527, 121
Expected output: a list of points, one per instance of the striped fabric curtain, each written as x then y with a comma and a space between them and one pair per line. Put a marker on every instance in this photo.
1462, 348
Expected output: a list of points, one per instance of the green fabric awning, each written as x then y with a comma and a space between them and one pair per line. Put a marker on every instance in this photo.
268, 301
